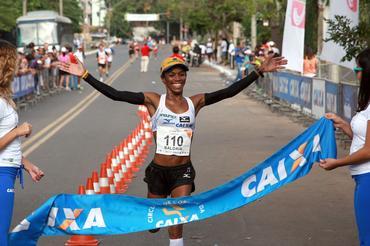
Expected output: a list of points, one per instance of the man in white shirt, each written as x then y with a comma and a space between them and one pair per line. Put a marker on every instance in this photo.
80, 56
223, 51
231, 52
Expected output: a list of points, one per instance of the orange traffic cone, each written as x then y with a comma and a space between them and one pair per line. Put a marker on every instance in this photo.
126, 172
112, 188
148, 133
81, 190
133, 163
103, 180
95, 180
120, 181
82, 240
128, 168
89, 187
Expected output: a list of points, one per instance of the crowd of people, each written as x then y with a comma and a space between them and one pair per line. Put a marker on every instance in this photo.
42, 62
240, 56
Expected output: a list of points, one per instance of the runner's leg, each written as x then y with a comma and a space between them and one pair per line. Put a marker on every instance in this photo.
175, 232
151, 195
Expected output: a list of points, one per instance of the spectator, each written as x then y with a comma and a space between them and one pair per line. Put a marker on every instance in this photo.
64, 76
80, 56
46, 70
273, 48
239, 59
309, 63
53, 68
145, 54
175, 53
209, 50
223, 47
231, 52
131, 52
247, 64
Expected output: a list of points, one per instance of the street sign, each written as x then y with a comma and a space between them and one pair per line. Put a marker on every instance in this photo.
142, 17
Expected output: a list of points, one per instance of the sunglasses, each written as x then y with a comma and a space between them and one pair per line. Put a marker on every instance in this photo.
357, 69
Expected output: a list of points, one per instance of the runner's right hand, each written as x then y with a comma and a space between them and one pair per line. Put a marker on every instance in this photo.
24, 130
72, 68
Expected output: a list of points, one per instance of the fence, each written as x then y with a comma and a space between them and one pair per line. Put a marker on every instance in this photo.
29, 88
314, 96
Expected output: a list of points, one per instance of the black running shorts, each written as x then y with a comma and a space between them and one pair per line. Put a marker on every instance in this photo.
162, 180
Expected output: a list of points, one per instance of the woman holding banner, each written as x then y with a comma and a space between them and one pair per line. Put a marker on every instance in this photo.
359, 158
171, 172
11, 159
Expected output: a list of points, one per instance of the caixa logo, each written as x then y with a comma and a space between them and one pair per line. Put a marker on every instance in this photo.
94, 218
69, 217
298, 13
352, 4
273, 174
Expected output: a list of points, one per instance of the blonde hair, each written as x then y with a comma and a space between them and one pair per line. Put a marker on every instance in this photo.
8, 62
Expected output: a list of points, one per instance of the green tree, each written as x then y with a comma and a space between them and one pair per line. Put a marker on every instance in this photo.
11, 10
8, 14
352, 39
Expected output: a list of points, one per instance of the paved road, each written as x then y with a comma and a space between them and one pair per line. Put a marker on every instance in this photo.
231, 137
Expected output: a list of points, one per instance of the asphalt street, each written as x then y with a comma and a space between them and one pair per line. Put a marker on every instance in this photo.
231, 137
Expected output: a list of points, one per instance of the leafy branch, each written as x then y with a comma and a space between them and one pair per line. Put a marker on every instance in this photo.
352, 39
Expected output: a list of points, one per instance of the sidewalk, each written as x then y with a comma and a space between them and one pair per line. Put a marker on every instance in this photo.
228, 73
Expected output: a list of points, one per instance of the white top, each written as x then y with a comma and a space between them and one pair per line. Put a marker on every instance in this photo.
209, 47
359, 126
80, 56
109, 53
11, 155
174, 131
223, 46
102, 57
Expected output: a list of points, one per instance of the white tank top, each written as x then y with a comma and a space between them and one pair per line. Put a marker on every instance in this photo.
102, 57
359, 127
11, 155
174, 131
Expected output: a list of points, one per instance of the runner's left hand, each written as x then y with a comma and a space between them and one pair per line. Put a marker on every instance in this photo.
271, 64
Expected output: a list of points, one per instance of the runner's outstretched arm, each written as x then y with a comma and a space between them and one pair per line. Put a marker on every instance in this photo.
116, 95
78, 69
271, 64
232, 90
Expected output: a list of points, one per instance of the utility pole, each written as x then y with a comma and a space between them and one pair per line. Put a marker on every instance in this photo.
61, 7
181, 29
167, 32
24, 7
320, 32
320, 24
253, 32
254, 27
109, 18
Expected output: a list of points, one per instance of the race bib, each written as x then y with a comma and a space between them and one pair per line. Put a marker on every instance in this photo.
173, 141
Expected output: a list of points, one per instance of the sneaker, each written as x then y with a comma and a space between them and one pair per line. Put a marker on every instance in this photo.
101, 79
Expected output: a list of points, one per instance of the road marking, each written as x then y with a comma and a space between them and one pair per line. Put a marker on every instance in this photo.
43, 135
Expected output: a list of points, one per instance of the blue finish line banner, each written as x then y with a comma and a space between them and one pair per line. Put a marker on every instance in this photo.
119, 214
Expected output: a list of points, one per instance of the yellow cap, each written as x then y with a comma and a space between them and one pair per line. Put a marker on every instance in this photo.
170, 62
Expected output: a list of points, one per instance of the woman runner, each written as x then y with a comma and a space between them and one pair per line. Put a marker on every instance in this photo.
171, 172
